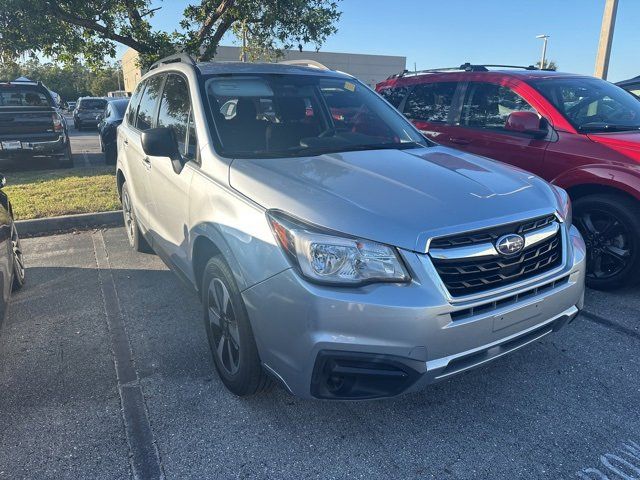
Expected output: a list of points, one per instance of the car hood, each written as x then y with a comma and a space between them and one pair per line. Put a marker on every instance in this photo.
398, 197
627, 143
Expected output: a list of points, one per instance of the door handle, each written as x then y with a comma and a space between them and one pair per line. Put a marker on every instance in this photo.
147, 162
125, 142
460, 141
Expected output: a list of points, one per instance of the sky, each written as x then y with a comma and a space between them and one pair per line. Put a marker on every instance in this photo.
446, 33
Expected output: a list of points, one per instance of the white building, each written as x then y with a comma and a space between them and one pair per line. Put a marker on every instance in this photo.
369, 69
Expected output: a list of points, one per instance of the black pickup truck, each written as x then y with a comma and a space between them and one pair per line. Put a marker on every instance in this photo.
31, 124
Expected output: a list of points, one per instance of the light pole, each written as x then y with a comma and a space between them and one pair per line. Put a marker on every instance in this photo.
606, 38
544, 38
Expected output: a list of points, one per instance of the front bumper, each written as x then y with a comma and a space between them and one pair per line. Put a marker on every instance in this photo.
385, 339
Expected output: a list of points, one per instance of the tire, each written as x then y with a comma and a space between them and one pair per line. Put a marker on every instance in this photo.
110, 154
610, 225
231, 340
18, 260
67, 160
134, 235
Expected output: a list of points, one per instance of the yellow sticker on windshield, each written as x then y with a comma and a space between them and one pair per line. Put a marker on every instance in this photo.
350, 86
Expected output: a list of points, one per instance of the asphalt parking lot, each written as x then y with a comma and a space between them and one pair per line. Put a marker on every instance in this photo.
105, 371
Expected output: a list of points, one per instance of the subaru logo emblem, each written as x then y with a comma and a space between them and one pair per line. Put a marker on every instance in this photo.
510, 244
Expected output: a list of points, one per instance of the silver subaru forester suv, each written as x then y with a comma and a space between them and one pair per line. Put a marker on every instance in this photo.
334, 248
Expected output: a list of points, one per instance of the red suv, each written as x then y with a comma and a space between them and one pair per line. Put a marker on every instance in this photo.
578, 132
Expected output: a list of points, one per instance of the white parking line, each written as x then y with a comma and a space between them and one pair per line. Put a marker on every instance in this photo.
623, 464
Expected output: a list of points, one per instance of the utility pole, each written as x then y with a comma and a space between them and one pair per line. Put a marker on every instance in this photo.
543, 59
606, 38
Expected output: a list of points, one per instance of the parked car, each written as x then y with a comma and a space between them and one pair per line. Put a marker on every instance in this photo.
107, 126
578, 132
71, 106
31, 125
632, 85
11, 259
334, 248
87, 110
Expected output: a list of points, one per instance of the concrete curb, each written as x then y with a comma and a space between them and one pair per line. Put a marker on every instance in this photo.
66, 223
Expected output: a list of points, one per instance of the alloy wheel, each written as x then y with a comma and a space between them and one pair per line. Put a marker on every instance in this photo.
128, 216
609, 242
223, 326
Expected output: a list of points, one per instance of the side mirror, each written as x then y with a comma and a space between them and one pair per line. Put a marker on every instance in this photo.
162, 142
528, 123
3, 180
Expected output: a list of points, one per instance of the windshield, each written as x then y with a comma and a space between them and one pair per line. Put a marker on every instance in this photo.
591, 104
92, 104
19, 96
296, 115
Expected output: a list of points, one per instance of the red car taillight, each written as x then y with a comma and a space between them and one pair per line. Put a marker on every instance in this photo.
57, 123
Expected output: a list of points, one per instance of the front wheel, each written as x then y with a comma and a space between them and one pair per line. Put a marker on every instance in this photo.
610, 225
134, 235
231, 340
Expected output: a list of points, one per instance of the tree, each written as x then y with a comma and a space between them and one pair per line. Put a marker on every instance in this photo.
70, 81
66, 29
548, 65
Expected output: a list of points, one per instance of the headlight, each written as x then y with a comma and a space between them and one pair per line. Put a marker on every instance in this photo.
564, 205
327, 258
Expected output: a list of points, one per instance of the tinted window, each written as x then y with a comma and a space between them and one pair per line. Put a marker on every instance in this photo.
430, 102
18, 96
192, 140
133, 104
591, 104
175, 107
92, 104
394, 95
488, 105
148, 102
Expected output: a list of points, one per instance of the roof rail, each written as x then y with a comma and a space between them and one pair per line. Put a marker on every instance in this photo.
465, 67
483, 68
176, 58
305, 63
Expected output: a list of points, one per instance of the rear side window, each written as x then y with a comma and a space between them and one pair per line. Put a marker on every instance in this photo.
394, 95
19, 96
148, 102
488, 105
430, 102
175, 108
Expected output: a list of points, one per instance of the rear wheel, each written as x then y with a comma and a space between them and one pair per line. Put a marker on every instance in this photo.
610, 225
134, 235
231, 340
67, 160
110, 154
18, 259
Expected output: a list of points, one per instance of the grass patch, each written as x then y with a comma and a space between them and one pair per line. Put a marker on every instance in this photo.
51, 193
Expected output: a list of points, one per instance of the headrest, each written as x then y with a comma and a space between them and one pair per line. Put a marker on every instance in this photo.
292, 109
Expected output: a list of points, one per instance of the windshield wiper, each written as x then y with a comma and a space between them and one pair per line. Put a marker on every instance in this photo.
606, 127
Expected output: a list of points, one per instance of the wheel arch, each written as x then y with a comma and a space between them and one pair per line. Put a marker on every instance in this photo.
208, 242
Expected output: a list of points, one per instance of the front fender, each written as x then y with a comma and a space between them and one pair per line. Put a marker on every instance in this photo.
625, 178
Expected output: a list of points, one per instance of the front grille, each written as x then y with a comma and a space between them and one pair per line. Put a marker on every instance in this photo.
467, 276
490, 235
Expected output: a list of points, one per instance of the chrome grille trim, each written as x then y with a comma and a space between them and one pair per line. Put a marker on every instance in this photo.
478, 268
